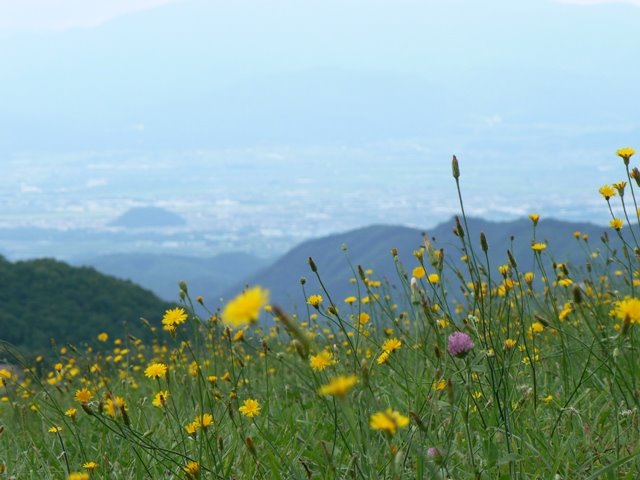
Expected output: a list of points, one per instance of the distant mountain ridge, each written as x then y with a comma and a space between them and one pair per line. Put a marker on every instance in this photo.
206, 276
371, 247
148, 217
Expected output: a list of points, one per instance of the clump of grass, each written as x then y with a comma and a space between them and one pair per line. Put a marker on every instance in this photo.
522, 374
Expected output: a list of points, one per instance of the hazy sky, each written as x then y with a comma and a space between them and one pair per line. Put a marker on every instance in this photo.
61, 14
35, 15
533, 95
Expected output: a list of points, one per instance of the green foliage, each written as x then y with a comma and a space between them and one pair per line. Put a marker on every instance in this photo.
41, 300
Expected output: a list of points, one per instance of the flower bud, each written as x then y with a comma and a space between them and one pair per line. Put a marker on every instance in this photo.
459, 228
577, 295
250, 446
312, 264
483, 242
455, 168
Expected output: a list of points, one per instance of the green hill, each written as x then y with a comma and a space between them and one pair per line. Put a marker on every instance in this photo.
46, 299
371, 246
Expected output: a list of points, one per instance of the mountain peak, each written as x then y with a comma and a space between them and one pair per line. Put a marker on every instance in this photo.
148, 217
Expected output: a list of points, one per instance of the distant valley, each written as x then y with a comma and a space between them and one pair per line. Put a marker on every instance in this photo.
206, 276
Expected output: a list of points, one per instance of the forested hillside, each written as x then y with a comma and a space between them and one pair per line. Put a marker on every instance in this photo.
41, 300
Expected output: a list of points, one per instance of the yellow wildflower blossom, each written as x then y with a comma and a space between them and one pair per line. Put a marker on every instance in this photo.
391, 345
156, 370
628, 310
419, 272
616, 223
339, 386
174, 316
245, 308
321, 361
625, 154
388, 421
250, 408
314, 300
83, 395
160, 399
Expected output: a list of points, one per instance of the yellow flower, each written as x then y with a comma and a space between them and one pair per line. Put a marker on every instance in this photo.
419, 272
205, 420
78, 476
55, 429
103, 337
625, 154
509, 343
388, 421
192, 428
245, 308
83, 396
239, 336
536, 327
90, 465
528, 278
534, 218
607, 191
250, 408
566, 310
548, 399
114, 405
383, 358
616, 223
156, 370
314, 300
391, 345
440, 384
434, 278
628, 310
363, 318
620, 186
194, 369
339, 386
321, 361
71, 412
538, 247
173, 317
192, 469
565, 282
160, 400
351, 299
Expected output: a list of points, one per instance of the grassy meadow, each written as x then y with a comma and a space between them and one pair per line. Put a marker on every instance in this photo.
491, 371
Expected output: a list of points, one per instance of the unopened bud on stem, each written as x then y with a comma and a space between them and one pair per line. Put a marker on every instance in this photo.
455, 168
